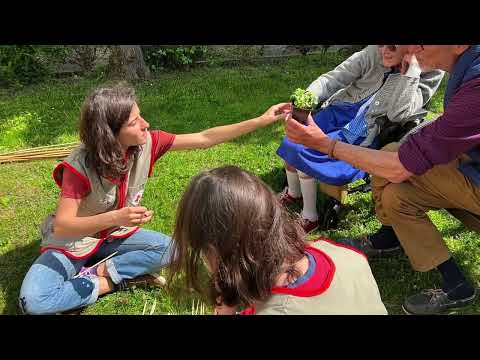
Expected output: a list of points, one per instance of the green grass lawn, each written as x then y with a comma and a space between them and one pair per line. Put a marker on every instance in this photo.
179, 103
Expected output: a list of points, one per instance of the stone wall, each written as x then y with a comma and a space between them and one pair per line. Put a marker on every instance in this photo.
229, 51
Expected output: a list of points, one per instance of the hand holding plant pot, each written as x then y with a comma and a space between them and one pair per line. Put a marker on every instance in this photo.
303, 102
276, 112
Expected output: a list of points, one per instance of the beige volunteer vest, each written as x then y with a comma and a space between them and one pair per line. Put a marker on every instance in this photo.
104, 196
353, 290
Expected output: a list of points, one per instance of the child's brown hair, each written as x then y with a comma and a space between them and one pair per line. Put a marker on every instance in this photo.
234, 220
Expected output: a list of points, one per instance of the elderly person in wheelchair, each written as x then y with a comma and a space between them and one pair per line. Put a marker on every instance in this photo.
377, 92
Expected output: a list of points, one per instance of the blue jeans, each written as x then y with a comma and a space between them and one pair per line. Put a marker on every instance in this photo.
49, 287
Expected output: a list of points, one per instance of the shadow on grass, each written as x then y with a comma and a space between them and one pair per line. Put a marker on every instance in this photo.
275, 179
15, 264
13, 268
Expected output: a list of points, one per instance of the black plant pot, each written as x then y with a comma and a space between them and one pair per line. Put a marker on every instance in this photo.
300, 115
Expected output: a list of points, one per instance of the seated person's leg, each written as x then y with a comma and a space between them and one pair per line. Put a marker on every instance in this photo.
314, 164
142, 253
309, 212
49, 287
293, 185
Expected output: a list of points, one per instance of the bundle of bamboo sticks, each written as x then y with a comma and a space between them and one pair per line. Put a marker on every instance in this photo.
58, 151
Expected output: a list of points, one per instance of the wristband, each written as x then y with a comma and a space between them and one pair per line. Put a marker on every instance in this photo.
331, 149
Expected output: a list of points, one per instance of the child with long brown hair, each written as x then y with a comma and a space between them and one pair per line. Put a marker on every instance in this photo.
257, 255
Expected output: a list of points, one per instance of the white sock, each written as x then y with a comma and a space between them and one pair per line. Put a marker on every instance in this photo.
293, 184
308, 187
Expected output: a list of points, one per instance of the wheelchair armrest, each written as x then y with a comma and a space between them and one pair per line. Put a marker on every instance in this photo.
394, 131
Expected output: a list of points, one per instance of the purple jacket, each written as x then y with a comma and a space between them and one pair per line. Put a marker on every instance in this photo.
454, 133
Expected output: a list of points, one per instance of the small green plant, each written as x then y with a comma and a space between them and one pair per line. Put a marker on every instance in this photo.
304, 99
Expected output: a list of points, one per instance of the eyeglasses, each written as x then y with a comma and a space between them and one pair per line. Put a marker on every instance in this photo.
391, 48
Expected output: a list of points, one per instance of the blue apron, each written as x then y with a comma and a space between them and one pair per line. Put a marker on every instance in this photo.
333, 120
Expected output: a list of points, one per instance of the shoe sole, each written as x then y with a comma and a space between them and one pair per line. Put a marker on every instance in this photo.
458, 305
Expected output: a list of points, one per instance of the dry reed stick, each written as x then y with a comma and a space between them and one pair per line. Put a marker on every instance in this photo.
56, 151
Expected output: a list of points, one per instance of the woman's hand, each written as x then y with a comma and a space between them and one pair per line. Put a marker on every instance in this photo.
132, 216
276, 112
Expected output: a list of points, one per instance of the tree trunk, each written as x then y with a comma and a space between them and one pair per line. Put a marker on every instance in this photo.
126, 62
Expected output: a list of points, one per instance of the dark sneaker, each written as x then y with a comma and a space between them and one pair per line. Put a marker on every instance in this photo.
152, 279
286, 199
434, 301
365, 245
308, 225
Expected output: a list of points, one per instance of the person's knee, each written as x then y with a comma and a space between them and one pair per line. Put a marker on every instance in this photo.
289, 167
158, 242
35, 300
392, 199
378, 182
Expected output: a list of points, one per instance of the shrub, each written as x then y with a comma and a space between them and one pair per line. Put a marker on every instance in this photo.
26, 64
172, 57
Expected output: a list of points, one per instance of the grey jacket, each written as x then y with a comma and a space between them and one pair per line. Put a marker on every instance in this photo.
401, 98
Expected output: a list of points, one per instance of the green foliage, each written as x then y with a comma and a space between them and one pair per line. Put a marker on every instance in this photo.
304, 99
172, 57
27, 64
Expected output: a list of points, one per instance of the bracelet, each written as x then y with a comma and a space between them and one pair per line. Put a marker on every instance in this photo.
331, 149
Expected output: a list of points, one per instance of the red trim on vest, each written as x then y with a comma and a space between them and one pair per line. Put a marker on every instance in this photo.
58, 178
103, 233
155, 140
67, 254
122, 193
312, 287
249, 311
343, 246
